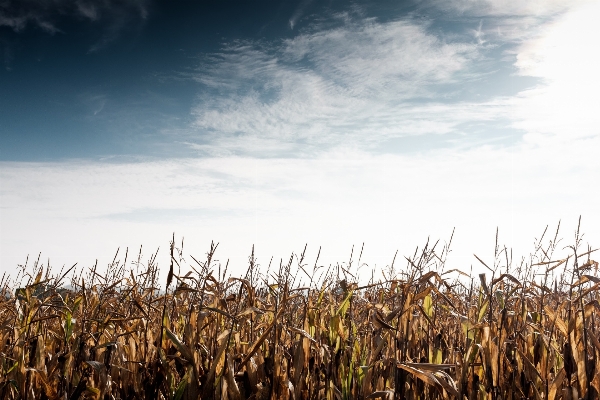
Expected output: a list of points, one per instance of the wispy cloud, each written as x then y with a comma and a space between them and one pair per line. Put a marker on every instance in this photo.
366, 82
506, 22
360, 83
93, 102
19, 22
299, 11
47, 15
512, 8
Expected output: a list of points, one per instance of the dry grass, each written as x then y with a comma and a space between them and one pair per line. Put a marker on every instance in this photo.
417, 334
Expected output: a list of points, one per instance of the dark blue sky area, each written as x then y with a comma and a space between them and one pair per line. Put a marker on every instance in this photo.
79, 83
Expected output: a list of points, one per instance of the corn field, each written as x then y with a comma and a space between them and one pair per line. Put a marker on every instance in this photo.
524, 329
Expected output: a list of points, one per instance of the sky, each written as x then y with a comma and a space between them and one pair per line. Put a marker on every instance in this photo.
281, 124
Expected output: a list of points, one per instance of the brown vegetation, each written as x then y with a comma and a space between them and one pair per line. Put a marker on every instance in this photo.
524, 331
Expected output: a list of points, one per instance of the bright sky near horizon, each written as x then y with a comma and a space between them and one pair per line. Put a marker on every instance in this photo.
284, 123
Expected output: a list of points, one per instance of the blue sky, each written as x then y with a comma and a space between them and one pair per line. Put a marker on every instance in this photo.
283, 123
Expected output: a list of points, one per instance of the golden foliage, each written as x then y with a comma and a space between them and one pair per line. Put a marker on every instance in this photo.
417, 334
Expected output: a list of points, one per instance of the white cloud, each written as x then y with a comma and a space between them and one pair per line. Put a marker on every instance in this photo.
361, 84
356, 84
368, 56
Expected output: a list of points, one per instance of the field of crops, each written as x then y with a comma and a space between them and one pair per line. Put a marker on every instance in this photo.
523, 329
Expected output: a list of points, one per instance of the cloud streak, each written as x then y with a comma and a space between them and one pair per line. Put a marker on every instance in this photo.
299, 12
